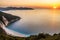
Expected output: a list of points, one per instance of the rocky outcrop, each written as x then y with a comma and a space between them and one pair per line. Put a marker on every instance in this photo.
2, 31
5, 20
8, 18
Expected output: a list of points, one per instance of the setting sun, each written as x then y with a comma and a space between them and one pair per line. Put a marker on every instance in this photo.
31, 3
54, 7
29, 19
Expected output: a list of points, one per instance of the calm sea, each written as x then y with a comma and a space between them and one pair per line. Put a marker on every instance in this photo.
36, 21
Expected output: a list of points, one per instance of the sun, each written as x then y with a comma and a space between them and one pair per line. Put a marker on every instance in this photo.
54, 7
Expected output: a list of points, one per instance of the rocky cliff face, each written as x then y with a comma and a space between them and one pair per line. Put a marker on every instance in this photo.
2, 31
8, 17
5, 20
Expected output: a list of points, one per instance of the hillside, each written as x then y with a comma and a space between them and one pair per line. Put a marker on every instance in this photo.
6, 20
10, 18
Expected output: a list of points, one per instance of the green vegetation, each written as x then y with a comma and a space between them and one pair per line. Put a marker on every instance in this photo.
41, 36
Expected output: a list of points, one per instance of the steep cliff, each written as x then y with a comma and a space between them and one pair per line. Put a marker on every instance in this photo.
10, 18
5, 20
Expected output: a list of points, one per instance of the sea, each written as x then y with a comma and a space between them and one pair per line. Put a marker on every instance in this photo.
36, 21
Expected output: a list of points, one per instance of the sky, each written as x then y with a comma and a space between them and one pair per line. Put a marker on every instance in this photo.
30, 3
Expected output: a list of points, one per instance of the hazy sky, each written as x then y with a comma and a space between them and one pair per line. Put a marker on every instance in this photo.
30, 3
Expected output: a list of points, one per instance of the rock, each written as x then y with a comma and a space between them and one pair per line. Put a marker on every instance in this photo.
5, 20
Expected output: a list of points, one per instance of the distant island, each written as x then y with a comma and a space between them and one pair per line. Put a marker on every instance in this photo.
16, 8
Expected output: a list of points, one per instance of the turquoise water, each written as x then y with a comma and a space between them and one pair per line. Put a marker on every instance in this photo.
36, 21
19, 28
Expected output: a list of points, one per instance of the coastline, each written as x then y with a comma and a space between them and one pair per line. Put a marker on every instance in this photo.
8, 18
13, 21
